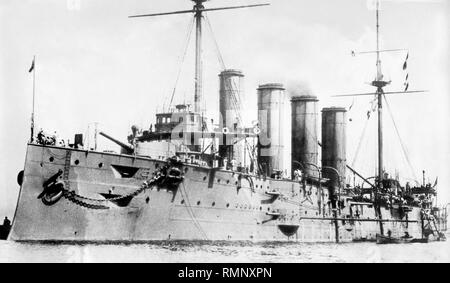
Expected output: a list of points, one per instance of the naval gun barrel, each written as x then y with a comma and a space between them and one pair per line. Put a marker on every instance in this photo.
126, 148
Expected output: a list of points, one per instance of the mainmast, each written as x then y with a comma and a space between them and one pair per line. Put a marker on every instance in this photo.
198, 10
379, 84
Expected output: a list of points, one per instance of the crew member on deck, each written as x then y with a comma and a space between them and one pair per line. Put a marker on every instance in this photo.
233, 165
6, 222
297, 175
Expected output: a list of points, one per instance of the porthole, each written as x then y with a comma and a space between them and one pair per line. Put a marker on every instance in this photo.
228, 181
306, 212
147, 199
260, 208
51, 159
228, 205
213, 204
218, 180
198, 202
204, 178
182, 201
100, 165
77, 162
268, 209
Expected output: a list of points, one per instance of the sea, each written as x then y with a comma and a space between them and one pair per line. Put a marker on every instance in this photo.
193, 252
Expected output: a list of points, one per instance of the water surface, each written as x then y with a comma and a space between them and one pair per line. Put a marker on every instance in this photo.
229, 252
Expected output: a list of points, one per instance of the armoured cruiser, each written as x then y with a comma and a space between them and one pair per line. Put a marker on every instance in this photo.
190, 179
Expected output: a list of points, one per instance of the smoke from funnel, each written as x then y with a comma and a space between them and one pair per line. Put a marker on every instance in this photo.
298, 88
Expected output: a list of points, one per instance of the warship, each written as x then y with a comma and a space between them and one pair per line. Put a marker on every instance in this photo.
191, 179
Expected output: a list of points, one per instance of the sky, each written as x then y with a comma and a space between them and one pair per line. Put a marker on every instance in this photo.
95, 65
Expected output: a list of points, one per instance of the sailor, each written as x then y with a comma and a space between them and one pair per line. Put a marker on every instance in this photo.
233, 165
298, 175
225, 163
6, 222
40, 137
53, 138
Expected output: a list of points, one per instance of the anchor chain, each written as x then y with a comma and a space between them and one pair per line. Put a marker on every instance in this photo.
159, 177
71, 196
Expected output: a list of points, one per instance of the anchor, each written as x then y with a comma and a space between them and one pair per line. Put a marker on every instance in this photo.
53, 189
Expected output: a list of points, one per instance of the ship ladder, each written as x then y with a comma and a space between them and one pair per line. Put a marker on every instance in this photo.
440, 235
431, 225
67, 170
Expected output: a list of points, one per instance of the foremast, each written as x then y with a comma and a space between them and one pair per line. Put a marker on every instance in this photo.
198, 11
198, 56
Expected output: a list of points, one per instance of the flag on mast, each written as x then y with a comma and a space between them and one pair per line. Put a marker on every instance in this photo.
435, 182
32, 67
405, 65
34, 83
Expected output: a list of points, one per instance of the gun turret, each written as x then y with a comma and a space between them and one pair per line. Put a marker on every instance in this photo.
127, 149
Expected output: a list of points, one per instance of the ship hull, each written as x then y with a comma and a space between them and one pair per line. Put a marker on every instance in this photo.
208, 205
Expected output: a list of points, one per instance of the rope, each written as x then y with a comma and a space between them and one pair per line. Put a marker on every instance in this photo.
405, 152
360, 142
183, 57
219, 54
191, 213
236, 99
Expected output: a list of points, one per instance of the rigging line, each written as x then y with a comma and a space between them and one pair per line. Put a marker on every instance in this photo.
183, 57
252, 153
191, 212
219, 54
363, 134
236, 103
233, 88
405, 152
